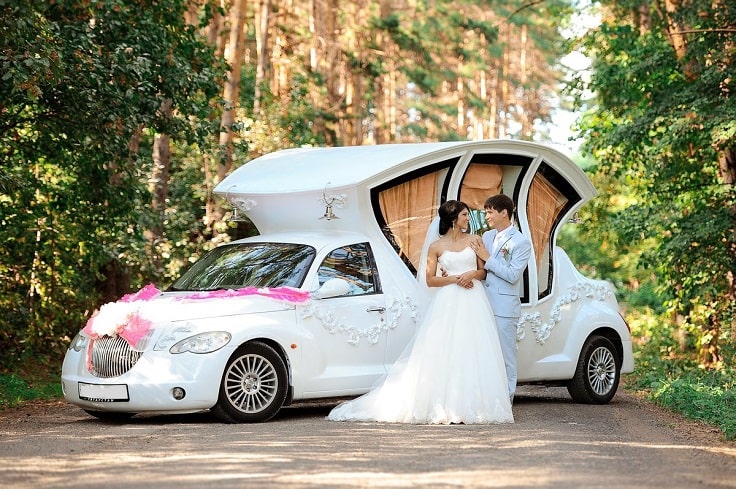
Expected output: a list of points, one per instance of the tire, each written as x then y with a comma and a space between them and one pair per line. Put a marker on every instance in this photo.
254, 385
109, 415
597, 374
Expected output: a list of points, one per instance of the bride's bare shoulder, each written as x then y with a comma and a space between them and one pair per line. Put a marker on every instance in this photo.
436, 247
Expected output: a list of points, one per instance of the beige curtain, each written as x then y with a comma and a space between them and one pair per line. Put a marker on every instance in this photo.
480, 182
545, 204
408, 208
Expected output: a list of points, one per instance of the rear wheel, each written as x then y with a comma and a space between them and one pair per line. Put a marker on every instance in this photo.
597, 374
254, 385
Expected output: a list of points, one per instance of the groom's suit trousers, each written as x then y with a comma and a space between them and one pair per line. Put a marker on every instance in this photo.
507, 337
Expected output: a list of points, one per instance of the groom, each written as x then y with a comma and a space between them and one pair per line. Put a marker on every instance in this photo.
506, 252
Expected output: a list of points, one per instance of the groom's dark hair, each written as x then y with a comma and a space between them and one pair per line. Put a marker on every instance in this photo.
500, 202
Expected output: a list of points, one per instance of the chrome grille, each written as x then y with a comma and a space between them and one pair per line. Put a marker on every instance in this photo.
112, 356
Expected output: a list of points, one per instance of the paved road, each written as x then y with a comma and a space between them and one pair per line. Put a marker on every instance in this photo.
553, 444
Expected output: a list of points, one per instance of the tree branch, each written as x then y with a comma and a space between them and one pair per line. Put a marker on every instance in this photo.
523, 7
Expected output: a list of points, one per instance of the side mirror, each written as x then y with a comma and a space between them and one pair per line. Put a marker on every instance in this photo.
334, 287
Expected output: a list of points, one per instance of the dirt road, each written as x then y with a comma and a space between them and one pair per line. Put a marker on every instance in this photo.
553, 444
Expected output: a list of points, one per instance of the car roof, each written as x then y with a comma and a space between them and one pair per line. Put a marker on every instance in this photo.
289, 189
304, 169
317, 239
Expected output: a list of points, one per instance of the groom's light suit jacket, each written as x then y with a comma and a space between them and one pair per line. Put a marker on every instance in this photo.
503, 282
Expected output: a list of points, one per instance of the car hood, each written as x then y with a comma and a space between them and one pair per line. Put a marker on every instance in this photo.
133, 319
177, 307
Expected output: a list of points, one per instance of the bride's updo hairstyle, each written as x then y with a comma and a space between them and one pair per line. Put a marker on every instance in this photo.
448, 213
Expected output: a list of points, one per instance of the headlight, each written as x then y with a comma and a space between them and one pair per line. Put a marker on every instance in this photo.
202, 343
78, 343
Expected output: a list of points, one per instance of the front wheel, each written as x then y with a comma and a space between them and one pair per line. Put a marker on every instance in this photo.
597, 374
253, 387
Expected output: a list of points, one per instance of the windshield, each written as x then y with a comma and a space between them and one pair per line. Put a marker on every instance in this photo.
248, 264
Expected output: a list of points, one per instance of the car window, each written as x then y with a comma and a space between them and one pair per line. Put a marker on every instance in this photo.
249, 265
354, 264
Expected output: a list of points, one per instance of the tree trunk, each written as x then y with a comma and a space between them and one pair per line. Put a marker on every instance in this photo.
234, 57
727, 167
159, 188
677, 37
528, 110
215, 31
503, 99
262, 22
493, 109
191, 15
643, 18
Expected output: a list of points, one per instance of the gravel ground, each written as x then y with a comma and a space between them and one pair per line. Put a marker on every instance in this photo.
554, 443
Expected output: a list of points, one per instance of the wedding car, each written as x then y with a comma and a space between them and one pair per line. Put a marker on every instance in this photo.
324, 299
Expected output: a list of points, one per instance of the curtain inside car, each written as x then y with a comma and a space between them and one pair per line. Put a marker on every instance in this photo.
480, 182
544, 205
408, 208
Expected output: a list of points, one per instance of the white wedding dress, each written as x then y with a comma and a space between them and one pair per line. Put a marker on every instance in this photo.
454, 370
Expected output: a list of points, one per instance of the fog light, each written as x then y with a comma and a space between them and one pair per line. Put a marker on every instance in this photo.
178, 393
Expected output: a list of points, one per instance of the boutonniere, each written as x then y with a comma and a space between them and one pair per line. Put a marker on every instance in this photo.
506, 253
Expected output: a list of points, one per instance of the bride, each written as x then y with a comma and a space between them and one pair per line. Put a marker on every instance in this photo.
453, 371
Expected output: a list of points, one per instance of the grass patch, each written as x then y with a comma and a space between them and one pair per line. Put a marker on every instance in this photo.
698, 398
667, 374
15, 390
42, 383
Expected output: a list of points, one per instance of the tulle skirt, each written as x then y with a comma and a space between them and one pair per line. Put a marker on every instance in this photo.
453, 372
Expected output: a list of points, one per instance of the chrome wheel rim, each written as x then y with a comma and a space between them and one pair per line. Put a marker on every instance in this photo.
251, 384
601, 371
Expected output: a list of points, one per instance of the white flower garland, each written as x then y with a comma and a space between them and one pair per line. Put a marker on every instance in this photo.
395, 308
575, 292
326, 316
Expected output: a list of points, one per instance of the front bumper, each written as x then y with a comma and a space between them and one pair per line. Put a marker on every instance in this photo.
149, 385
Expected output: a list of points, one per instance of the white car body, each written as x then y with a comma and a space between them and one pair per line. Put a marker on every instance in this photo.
332, 199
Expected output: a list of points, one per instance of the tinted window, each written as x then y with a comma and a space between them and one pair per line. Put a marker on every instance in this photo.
249, 264
354, 264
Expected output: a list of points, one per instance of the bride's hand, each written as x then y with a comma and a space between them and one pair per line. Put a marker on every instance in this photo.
465, 280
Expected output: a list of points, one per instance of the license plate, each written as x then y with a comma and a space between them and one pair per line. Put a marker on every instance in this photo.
103, 392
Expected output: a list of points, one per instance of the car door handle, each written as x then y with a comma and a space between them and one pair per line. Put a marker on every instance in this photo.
376, 309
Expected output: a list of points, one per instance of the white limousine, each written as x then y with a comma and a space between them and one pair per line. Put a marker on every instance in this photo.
323, 300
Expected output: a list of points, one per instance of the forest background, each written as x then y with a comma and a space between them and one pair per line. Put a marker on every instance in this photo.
118, 117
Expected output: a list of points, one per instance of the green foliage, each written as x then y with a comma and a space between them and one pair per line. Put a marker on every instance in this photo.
671, 378
281, 123
83, 87
599, 251
658, 133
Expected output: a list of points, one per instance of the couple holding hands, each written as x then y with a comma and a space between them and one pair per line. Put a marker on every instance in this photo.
461, 365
